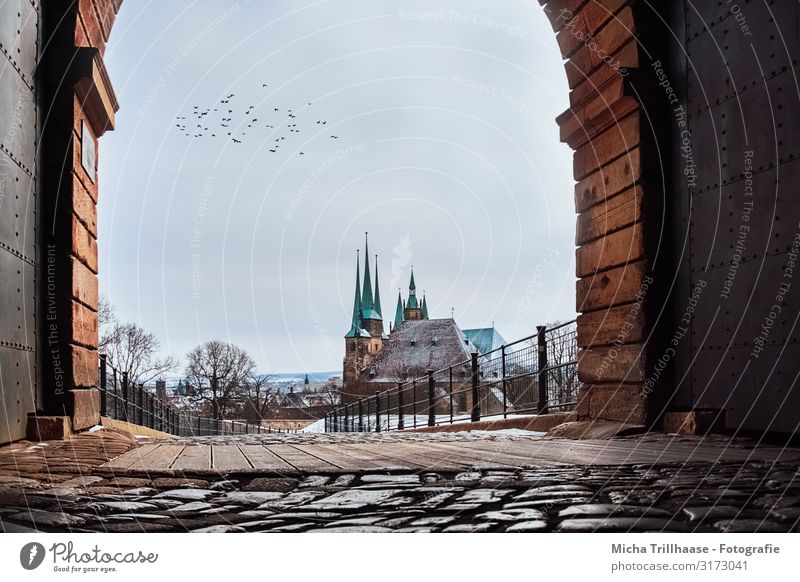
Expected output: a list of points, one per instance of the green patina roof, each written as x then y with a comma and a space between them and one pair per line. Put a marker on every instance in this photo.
484, 339
398, 312
355, 327
412, 302
424, 307
377, 303
367, 304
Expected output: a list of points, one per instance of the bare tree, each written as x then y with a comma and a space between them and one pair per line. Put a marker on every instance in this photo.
562, 367
107, 325
332, 393
260, 396
131, 349
219, 372
403, 372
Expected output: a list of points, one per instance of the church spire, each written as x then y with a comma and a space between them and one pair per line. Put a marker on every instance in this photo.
412, 302
367, 299
398, 312
424, 307
366, 295
377, 302
355, 327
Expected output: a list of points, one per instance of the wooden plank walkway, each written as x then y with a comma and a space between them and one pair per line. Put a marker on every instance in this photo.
416, 455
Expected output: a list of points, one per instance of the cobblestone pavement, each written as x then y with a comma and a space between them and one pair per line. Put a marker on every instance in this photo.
735, 496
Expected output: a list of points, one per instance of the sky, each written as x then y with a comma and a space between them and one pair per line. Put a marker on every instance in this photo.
446, 150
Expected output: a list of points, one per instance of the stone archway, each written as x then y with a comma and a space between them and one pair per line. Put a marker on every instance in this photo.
616, 195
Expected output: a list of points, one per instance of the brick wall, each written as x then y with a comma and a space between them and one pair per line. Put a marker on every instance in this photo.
81, 105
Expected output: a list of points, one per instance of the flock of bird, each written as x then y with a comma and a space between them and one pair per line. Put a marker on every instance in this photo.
218, 122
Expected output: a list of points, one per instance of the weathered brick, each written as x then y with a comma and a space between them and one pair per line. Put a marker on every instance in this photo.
614, 142
85, 408
85, 363
587, 89
606, 45
612, 364
614, 287
586, 23
610, 216
618, 325
559, 12
84, 245
618, 402
84, 207
620, 248
84, 284
609, 180
83, 326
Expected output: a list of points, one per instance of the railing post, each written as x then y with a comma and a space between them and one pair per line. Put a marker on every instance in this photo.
103, 384
335, 421
451, 394
116, 394
431, 412
505, 386
199, 429
325, 422
346, 419
377, 412
139, 412
125, 394
360, 415
541, 405
400, 422
414, 401
476, 404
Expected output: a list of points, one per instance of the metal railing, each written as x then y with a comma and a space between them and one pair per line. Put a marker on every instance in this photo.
533, 375
137, 404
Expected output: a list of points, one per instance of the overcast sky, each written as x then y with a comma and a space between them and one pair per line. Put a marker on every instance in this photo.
447, 153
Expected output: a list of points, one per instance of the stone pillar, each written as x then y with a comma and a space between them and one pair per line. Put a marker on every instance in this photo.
79, 106
604, 127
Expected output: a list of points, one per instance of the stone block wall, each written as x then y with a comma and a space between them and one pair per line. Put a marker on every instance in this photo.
81, 105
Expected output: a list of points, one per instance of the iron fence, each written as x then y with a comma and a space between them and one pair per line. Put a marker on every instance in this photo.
533, 375
138, 404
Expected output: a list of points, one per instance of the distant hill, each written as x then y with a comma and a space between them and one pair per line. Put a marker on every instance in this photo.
312, 376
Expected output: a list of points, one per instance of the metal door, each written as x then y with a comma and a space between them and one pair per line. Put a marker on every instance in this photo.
19, 44
741, 217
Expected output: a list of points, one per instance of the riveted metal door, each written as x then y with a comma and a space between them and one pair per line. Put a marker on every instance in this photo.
739, 219
19, 44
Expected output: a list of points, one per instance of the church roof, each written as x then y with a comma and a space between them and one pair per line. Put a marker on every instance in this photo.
485, 339
417, 346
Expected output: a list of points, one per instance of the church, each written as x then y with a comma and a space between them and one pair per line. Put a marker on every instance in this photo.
415, 344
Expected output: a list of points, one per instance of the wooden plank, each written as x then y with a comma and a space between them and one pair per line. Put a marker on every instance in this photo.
336, 456
431, 458
262, 458
300, 459
396, 453
484, 457
160, 458
131, 457
374, 452
193, 457
228, 458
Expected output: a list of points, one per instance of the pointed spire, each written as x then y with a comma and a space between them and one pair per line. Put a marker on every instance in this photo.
355, 327
377, 304
424, 307
366, 295
398, 312
412, 293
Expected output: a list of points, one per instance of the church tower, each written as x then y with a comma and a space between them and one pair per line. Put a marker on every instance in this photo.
366, 335
413, 309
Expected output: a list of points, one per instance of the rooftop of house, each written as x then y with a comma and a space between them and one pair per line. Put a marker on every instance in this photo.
416, 346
